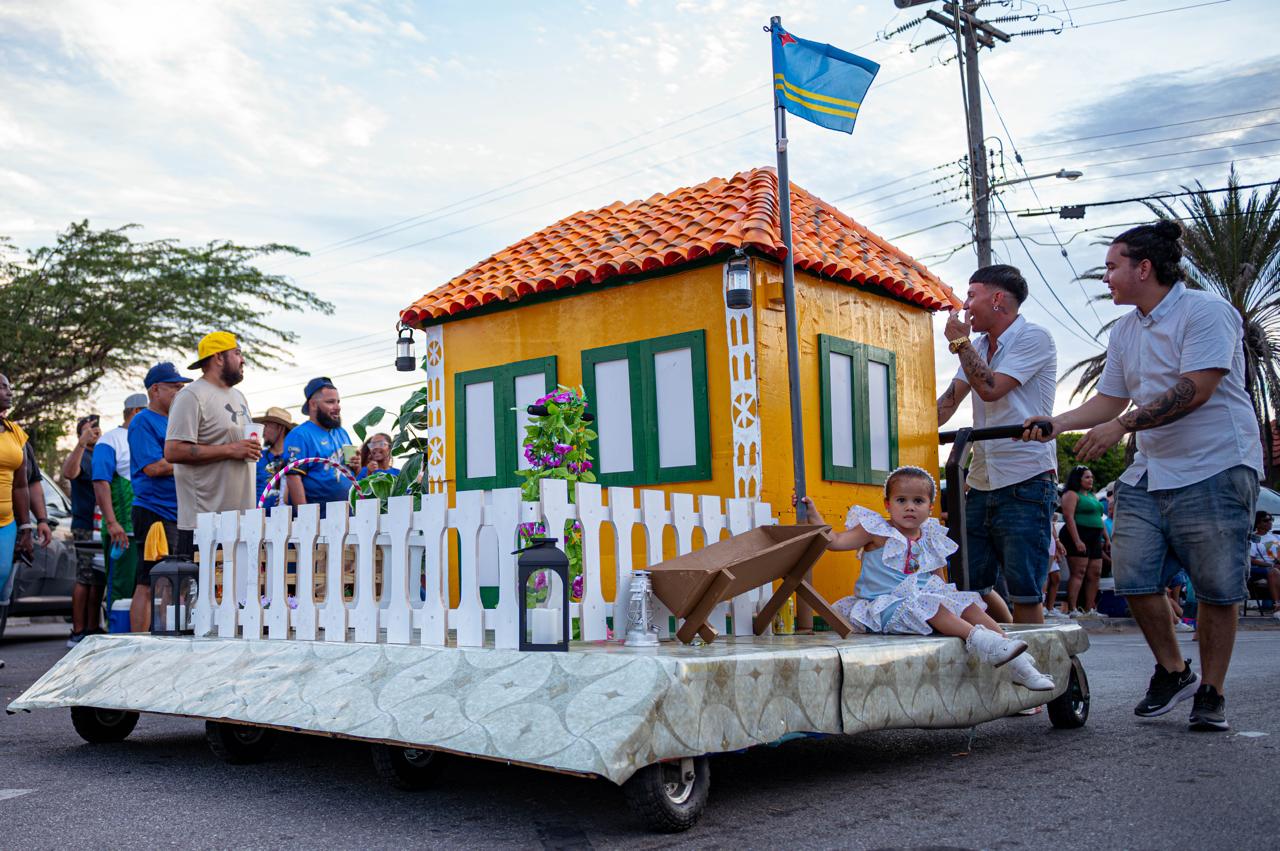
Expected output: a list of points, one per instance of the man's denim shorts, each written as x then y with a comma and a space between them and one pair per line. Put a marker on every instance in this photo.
1009, 527
1201, 528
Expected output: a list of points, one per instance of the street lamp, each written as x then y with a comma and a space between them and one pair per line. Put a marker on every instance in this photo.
405, 361
1061, 174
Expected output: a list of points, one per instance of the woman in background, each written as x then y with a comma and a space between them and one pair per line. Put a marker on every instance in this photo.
1082, 535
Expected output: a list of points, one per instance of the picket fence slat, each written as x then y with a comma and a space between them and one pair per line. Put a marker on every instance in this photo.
398, 587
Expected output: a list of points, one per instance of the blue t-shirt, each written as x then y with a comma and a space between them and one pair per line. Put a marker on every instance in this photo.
321, 483
104, 463
146, 446
364, 471
268, 465
82, 498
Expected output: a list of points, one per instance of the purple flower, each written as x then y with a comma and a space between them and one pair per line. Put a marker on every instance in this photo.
562, 398
540, 580
577, 587
586, 465
563, 449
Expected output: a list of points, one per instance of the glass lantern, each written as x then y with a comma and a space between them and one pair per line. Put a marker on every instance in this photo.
737, 280
174, 588
550, 625
405, 360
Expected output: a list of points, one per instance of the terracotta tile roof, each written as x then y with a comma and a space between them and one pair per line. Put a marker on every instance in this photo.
666, 231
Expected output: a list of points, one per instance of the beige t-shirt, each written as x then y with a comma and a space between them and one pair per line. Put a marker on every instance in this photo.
209, 415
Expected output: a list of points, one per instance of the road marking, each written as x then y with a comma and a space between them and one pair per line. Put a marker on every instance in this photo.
1252, 734
6, 794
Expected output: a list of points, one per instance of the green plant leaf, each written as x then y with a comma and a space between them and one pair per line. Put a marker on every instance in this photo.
372, 418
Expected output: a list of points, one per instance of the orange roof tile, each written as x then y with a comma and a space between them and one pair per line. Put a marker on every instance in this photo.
670, 230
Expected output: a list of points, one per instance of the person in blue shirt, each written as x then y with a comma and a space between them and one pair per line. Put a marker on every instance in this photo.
376, 456
321, 436
155, 497
276, 424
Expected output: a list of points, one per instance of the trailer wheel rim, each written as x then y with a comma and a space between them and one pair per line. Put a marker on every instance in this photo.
678, 779
248, 735
109, 717
417, 758
1076, 694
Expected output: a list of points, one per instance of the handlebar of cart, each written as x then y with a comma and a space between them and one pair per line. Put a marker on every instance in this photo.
958, 565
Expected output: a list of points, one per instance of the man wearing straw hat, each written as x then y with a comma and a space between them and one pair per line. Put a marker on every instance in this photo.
212, 441
276, 423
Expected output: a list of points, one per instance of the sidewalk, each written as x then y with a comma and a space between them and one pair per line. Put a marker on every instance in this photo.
1105, 624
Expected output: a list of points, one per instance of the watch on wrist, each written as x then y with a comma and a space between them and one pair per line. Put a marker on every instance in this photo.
956, 345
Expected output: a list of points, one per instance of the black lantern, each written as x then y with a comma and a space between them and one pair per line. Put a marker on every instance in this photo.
737, 280
174, 586
405, 360
542, 554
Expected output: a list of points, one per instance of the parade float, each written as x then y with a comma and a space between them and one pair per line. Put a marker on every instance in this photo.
418, 620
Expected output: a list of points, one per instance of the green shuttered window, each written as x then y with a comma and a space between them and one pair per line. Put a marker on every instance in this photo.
650, 402
859, 411
489, 409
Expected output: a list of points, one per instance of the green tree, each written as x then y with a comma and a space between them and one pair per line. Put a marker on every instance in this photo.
98, 304
1231, 246
1105, 469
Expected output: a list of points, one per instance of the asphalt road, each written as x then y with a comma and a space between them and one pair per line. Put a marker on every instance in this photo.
1117, 783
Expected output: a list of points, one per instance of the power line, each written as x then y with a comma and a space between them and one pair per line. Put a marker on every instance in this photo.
896, 180
1048, 286
1152, 127
1154, 141
1176, 168
1156, 197
1147, 14
1181, 153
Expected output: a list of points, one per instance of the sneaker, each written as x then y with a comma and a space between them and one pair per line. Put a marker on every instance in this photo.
1209, 710
1183, 626
992, 647
1092, 613
1166, 691
1055, 614
1276, 614
1076, 613
75, 638
1025, 674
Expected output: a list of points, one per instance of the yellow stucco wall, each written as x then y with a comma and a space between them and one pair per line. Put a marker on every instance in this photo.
823, 307
692, 300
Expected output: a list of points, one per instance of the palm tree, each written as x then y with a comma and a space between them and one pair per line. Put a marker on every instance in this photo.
1231, 248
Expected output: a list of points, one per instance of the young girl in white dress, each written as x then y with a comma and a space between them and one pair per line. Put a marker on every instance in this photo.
901, 589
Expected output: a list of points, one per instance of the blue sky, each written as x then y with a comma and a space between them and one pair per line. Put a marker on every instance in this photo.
312, 124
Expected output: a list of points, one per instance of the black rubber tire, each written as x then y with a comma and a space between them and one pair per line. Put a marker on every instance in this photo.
103, 726
664, 796
405, 768
1070, 710
239, 744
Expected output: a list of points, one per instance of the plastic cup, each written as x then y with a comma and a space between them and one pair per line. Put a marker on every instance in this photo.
253, 431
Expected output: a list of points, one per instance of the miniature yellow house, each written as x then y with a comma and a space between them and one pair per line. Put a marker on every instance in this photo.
690, 393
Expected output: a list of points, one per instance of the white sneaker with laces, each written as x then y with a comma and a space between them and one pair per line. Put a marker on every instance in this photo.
992, 647
1076, 613
1180, 626
1024, 673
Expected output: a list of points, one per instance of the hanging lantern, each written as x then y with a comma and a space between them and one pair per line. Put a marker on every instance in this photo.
737, 280
544, 628
405, 360
641, 630
174, 587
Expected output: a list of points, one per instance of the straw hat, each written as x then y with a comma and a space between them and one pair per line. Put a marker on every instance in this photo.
279, 416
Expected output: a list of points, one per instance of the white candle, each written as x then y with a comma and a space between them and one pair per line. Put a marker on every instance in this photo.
169, 616
545, 624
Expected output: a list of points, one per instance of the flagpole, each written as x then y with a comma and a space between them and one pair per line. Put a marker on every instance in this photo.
804, 614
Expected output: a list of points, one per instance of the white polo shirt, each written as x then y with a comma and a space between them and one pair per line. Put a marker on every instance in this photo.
1026, 353
1187, 331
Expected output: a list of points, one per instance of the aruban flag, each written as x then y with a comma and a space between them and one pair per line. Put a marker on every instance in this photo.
818, 82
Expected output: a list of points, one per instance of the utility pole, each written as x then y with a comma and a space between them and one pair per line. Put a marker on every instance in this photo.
970, 34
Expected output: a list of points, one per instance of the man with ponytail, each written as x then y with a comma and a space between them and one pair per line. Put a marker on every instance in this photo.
1187, 501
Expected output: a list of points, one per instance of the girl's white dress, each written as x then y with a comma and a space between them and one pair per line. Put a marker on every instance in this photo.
897, 591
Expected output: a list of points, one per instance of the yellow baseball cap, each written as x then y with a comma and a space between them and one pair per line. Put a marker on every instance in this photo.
213, 343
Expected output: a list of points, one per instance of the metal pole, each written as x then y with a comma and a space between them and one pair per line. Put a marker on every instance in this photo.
804, 613
977, 143
789, 300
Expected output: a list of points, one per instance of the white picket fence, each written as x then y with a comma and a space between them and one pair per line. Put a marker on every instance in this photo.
415, 544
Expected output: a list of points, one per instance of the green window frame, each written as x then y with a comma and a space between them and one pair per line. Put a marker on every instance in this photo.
646, 468
505, 419
861, 355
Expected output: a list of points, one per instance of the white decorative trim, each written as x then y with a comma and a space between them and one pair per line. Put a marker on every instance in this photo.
744, 400
436, 473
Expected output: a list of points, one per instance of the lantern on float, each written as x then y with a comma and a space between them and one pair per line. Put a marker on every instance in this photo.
174, 588
405, 360
737, 280
544, 628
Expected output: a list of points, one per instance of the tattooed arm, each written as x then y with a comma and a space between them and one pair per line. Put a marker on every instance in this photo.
1190, 391
987, 385
951, 399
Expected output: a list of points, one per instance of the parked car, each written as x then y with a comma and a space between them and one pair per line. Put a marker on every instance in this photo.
42, 585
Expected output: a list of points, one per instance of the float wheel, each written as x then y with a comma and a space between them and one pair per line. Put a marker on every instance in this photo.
1070, 710
103, 726
669, 796
239, 744
405, 768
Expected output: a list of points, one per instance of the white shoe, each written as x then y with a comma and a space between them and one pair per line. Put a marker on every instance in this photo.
1076, 613
1092, 613
1054, 615
1024, 673
1183, 627
1276, 614
992, 647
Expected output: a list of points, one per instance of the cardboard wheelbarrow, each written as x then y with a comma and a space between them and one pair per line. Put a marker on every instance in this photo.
692, 585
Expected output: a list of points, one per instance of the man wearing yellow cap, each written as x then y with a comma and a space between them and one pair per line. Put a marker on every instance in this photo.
212, 441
